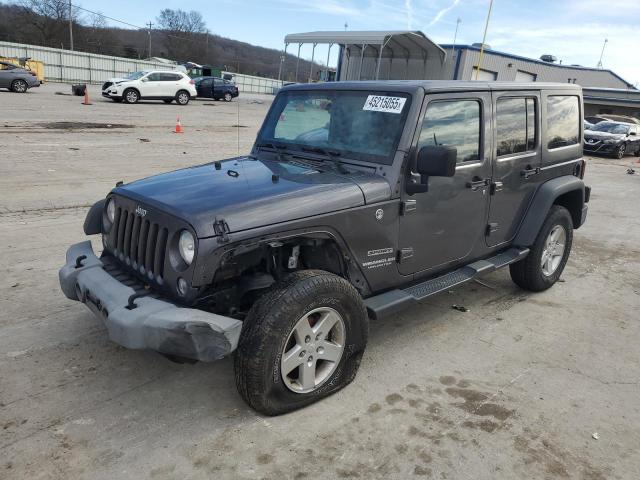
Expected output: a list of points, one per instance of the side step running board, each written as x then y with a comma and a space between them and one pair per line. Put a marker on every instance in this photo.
393, 301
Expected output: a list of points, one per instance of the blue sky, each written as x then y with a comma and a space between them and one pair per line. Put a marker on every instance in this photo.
572, 30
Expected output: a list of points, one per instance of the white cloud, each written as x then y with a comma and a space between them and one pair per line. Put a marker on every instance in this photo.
441, 13
408, 6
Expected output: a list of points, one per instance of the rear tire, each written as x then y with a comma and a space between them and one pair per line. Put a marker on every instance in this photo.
19, 86
228, 97
274, 340
548, 255
130, 95
182, 97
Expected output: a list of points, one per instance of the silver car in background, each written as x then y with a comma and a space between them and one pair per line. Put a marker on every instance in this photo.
17, 79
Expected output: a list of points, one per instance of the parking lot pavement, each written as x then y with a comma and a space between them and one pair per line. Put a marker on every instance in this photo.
517, 387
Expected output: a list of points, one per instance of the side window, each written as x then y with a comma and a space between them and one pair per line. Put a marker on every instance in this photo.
516, 125
455, 123
563, 121
206, 83
154, 77
170, 77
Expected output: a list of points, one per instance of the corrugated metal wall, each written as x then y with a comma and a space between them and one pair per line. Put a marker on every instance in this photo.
507, 68
79, 67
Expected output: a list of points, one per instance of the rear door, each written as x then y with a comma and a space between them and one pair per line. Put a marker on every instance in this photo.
170, 84
205, 88
6, 75
442, 227
517, 157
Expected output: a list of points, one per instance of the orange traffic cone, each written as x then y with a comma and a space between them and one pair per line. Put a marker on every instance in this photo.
178, 126
86, 96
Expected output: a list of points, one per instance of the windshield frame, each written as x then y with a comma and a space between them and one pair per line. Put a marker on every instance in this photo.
597, 127
280, 103
135, 75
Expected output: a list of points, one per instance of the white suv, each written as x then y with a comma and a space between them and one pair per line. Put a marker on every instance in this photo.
152, 85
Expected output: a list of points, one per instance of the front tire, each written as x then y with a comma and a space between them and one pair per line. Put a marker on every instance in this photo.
620, 151
182, 97
301, 341
19, 86
548, 255
130, 96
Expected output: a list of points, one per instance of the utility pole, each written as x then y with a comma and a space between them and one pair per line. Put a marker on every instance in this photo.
484, 39
602, 53
70, 26
149, 32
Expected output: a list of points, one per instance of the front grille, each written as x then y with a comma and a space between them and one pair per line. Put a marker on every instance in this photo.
139, 243
106, 85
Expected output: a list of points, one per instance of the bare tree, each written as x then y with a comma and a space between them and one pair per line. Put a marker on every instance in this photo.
50, 18
184, 33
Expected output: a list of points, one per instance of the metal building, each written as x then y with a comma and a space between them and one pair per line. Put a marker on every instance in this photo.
411, 55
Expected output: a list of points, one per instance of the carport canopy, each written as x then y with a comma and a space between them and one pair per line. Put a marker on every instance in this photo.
401, 44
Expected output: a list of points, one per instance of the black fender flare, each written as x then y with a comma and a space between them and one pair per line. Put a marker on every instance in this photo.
544, 198
93, 220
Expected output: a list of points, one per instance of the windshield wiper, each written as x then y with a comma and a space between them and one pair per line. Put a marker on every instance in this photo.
328, 153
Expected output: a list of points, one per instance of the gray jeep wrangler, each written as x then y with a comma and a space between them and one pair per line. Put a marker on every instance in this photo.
356, 201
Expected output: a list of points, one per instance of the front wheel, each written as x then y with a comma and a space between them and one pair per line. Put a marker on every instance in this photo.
548, 255
131, 96
620, 151
301, 341
182, 97
19, 86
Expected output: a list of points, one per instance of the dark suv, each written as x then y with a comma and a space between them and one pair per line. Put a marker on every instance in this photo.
356, 201
216, 88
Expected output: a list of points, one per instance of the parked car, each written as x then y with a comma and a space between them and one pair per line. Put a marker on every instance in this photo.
623, 119
284, 255
153, 85
216, 88
613, 138
111, 81
596, 119
17, 79
587, 125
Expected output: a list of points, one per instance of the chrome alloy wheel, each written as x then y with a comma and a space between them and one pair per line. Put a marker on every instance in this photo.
553, 250
131, 96
313, 350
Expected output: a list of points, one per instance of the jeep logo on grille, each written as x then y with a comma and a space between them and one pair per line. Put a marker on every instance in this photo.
140, 211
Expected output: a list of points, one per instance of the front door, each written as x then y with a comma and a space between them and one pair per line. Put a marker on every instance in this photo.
151, 85
444, 225
517, 162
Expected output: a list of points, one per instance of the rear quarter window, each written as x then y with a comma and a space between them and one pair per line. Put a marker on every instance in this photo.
563, 121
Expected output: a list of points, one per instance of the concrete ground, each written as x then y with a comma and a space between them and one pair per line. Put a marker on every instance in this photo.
522, 385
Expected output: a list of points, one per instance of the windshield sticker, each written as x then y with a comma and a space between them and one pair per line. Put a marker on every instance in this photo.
379, 103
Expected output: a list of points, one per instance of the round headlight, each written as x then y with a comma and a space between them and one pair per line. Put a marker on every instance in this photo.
111, 211
187, 246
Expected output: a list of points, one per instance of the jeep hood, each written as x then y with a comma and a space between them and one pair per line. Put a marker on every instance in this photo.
249, 193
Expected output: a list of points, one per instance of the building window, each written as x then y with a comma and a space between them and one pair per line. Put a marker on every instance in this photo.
484, 75
563, 121
454, 123
516, 125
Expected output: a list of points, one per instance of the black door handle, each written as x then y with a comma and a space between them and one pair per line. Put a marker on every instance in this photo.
529, 172
477, 182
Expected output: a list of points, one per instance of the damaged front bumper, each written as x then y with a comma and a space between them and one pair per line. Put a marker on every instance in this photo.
142, 322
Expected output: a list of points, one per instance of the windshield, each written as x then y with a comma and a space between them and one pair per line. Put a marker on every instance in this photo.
134, 75
359, 124
610, 127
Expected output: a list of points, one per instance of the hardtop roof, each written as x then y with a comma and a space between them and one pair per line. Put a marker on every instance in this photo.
410, 86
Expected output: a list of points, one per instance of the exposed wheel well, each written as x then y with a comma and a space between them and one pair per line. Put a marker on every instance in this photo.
573, 202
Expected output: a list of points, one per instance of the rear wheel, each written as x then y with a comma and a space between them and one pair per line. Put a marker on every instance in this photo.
19, 86
131, 96
548, 255
302, 341
228, 97
182, 97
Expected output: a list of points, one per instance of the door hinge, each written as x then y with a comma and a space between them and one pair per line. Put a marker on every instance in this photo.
492, 227
408, 206
404, 254
221, 229
495, 187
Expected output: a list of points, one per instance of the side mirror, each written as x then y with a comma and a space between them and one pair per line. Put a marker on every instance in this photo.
144, 79
433, 161
632, 133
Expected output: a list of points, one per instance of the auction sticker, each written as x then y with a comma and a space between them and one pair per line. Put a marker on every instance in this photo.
381, 103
